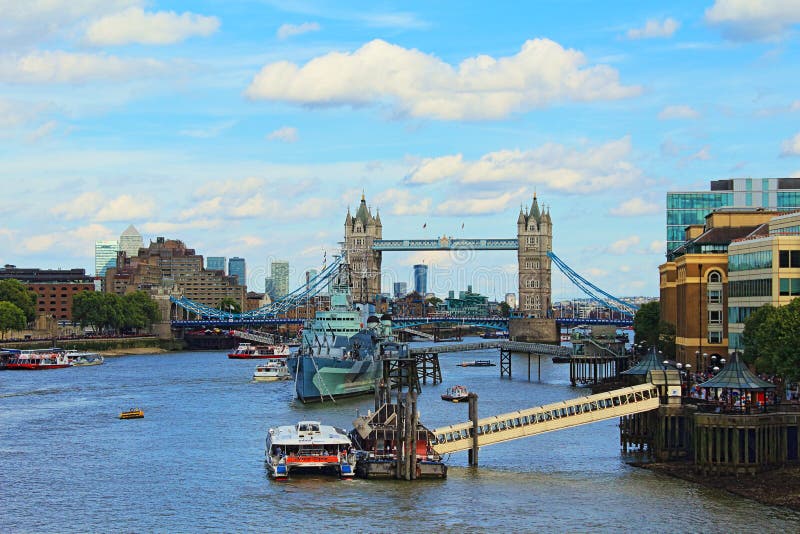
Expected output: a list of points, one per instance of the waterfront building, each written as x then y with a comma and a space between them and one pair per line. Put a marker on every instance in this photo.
254, 301
215, 263
279, 272
400, 289
365, 264
237, 268
410, 305
694, 284
467, 304
763, 268
55, 288
511, 300
535, 236
421, 279
105, 256
688, 208
167, 265
131, 241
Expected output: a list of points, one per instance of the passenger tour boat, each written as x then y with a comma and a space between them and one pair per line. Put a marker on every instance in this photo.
456, 394
271, 371
247, 351
37, 360
309, 446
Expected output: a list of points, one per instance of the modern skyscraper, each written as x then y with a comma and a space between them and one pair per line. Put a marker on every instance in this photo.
421, 279
690, 208
269, 287
130, 241
400, 290
279, 271
105, 256
310, 275
215, 263
236, 267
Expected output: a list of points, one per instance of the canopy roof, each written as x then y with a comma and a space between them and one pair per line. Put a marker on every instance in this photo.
648, 363
736, 375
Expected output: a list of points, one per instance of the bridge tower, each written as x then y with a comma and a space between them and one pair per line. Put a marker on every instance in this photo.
535, 235
365, 264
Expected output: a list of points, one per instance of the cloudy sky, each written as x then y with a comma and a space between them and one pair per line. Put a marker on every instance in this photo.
248, 127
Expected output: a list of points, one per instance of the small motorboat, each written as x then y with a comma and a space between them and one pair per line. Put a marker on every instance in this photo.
272, 371
477, 363
133, 413
456, 394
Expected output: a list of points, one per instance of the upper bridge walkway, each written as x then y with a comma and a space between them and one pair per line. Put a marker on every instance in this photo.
547, 418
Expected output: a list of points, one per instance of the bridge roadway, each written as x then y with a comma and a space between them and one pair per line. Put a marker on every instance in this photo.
547, 418
500, 323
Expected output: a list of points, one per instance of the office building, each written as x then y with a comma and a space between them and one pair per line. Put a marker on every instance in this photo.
54, 288
236, 267
421, 279
279, 272
269, 287
467, 304
105, 256
690, 207
215, 263
310, 275
130, 241
400, 290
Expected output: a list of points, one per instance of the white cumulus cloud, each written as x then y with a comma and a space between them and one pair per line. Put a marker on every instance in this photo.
624, 245
290, 30
654, 28
57, 66
749, 20
480, 206
416, 84
287, 134
560, 168
678, 112
404, 202
634, 207
125, 208
134, 25
791, 146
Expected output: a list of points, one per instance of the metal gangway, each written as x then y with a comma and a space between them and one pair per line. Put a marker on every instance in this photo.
267, 339
547, 418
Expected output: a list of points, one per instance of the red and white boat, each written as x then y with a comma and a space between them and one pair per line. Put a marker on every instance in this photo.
37, 360
248, 351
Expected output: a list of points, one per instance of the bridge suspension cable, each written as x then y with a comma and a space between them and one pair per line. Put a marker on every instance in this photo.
591, 290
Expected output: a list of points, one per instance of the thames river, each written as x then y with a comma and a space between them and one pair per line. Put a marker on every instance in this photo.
196, 461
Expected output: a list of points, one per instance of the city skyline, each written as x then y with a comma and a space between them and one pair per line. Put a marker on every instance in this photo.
207, 122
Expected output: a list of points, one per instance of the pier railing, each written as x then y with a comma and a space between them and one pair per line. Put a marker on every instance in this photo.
547, 418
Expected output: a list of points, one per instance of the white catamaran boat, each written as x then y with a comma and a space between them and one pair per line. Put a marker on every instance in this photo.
309, 446
271, 371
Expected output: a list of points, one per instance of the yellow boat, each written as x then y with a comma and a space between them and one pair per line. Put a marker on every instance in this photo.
133, 413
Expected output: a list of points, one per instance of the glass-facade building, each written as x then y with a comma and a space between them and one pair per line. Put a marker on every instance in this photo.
400, 289
105, 256
279, 272
215, 263
236, 267
421, 279
691, 207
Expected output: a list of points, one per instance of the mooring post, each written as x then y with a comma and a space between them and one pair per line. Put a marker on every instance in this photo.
540, 368
529, 367
472, 398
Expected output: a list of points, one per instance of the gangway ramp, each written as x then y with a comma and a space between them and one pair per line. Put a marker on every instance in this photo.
418, 333
547, 418
258, 338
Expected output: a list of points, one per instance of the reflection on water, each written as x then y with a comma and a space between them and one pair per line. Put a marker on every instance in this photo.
195, 462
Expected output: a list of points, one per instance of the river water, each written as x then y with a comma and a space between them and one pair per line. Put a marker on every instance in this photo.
195, 462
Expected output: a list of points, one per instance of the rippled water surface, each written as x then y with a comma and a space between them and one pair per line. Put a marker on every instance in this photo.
195, 462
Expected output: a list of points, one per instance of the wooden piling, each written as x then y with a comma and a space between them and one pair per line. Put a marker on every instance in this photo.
472, 398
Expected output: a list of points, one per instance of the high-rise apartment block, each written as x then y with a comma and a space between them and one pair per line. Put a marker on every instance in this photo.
237, 268
130, 241
105, 256
421, 279
279, 272
215, 263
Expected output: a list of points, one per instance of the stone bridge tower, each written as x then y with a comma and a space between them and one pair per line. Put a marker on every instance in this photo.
535, 235
365, 264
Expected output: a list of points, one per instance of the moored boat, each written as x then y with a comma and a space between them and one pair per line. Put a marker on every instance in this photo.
84, 359
476, 363
272, 371
248, 351
133, 413
456, 394
308, 446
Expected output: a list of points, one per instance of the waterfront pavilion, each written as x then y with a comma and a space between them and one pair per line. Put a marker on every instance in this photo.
736, 389
638, 373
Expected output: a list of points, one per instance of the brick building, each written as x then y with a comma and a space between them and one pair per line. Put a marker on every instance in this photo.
55, 288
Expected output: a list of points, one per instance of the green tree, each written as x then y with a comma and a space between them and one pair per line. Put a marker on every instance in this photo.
11, 318
140, 311
505, 309
646, 324
433, 300
771, 339
17, 293
229, 304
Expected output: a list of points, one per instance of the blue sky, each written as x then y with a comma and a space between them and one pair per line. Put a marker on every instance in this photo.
246, 128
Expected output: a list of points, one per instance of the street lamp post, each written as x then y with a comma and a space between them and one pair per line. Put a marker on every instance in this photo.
697, 358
